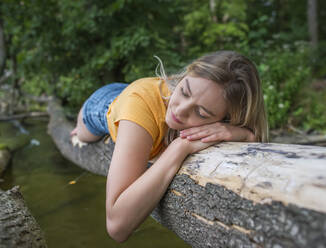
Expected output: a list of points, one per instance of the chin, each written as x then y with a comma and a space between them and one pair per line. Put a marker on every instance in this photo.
172, 124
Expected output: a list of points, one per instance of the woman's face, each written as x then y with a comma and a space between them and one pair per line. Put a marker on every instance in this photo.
194, 102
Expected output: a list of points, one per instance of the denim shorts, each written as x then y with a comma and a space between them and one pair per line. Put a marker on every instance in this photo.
96, 107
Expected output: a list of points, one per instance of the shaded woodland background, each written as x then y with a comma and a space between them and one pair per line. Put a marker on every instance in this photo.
70, 48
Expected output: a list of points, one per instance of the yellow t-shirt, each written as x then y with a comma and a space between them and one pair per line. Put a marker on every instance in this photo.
141, 102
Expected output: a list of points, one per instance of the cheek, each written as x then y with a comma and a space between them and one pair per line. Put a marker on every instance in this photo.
194, 121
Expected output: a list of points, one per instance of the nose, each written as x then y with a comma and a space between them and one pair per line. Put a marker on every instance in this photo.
182, 109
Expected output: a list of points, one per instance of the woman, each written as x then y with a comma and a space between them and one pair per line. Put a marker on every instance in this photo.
217, 98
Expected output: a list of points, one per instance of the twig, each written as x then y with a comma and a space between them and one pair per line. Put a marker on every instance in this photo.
296, 130
39, 99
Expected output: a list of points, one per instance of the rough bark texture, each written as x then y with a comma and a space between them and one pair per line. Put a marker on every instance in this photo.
94, 157
18, 227
232, 194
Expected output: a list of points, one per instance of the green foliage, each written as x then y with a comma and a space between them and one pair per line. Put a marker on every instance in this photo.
283, 73
310, 112
70, 48
86, 44
203, 34
3, 146
319, 60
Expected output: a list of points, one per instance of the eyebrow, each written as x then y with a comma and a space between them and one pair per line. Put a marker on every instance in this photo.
206, 110
187, 83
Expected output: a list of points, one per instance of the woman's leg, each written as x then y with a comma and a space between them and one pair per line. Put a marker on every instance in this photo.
82, 132
91, 121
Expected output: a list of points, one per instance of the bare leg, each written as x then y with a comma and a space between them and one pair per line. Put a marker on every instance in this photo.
82, 132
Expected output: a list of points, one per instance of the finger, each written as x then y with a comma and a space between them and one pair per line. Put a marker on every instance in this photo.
193, 130
199, 135
212, 138
186, 132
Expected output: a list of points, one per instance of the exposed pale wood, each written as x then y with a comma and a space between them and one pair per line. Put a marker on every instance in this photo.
232, 194
263, 173
18, 227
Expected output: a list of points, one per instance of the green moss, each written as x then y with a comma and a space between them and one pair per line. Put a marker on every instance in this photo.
3, 146
14, 143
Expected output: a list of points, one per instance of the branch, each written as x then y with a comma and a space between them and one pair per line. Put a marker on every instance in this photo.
24, 115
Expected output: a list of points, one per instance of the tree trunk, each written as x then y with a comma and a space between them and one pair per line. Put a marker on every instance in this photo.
2, 49
231, 194
312, 22
18, 227
212, 7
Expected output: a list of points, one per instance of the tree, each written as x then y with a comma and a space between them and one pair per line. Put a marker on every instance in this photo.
2, 48
312, 22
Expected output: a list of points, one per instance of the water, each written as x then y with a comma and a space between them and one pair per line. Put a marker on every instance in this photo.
68, 202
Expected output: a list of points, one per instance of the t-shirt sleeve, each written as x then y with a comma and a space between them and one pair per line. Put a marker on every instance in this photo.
135, 109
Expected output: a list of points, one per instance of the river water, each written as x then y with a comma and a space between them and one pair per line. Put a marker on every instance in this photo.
67, 201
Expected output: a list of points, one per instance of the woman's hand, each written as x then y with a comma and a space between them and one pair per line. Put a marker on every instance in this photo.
189, 147
217, 132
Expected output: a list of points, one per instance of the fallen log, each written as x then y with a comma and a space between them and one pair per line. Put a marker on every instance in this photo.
231, 194
18, 228
300, 138
23, 116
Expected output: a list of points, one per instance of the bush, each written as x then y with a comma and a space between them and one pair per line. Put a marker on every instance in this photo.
283, 71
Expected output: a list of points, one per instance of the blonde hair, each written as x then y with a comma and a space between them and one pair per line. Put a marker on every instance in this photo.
242, 89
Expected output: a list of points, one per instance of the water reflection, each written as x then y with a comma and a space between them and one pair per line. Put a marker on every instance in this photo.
68, 202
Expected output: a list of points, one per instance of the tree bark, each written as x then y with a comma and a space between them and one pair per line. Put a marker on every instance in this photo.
18, 227
231, 194
2, 49
312, 22
212, 7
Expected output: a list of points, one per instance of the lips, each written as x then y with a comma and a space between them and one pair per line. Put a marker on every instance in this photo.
175, 118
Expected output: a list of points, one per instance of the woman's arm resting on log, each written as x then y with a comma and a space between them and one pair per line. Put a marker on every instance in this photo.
132, 191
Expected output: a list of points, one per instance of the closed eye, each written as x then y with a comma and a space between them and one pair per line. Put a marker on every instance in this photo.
197, 111
183, 92
200, 115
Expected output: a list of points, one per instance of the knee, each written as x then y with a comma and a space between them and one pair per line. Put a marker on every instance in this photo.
84, 135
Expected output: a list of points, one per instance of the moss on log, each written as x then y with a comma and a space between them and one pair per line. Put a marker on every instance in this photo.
231, 194
18, 228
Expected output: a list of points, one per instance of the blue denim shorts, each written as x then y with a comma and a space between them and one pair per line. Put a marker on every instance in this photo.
96, 107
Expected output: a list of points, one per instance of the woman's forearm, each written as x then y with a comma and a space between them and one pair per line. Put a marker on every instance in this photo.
136, 202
